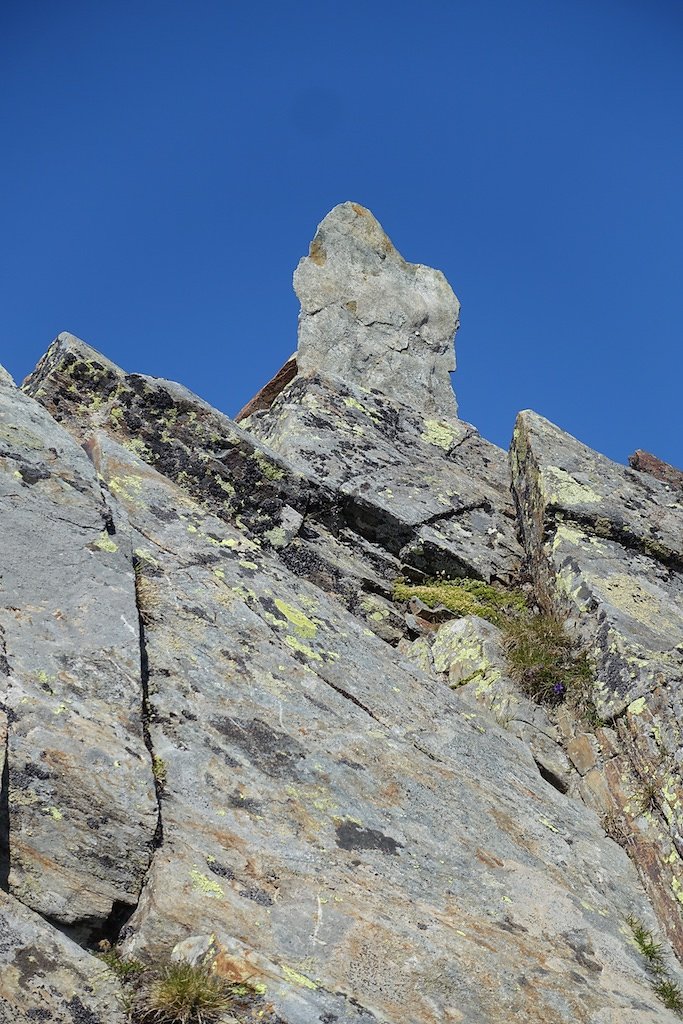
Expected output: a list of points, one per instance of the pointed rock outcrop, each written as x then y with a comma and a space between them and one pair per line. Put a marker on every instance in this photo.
368, 317
372, 413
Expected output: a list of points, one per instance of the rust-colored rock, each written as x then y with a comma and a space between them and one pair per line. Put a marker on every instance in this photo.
645, 462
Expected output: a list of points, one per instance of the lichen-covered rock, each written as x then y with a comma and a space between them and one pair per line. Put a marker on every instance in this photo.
604, 544
372, 412
82, 808
556, 475
355, 823
469, 653
369, 318
185, 620
431, 491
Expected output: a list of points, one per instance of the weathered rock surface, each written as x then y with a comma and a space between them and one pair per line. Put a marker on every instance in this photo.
368, 317
44, 976
604, 543
469, 654
335, 822
82, 808
367, 860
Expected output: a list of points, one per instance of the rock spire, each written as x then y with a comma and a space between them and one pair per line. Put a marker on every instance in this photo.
368, 317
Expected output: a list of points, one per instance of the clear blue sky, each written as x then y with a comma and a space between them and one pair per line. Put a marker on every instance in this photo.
164, 166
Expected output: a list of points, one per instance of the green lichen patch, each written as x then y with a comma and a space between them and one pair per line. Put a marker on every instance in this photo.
465, 597
541, 656
105, 543
268, 468
297, 979
202, 883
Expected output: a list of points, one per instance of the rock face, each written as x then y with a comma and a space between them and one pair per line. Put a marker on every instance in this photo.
605, 543
368, 317
227, 740
82, 806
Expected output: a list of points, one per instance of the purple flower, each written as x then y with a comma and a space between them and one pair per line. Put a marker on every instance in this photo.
558, 688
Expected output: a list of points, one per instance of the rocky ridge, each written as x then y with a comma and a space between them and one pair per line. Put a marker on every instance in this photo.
226, 741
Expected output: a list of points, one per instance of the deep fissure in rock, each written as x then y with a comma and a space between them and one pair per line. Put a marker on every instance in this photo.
4, 824
551, 778
145, 710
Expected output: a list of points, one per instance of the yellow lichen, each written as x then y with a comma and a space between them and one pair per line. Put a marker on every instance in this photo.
105, 543
296, 645
439, 433
637, 707
205, 885
268, 468
298, 979
304, 626
563, 489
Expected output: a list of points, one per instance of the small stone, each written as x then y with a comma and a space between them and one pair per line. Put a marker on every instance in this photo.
582, 753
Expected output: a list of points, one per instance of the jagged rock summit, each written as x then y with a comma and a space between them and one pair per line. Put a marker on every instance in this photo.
368, 317
230, 739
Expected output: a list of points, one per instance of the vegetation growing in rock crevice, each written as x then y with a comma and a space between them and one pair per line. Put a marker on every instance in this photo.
543, 660
541, 656
177, 992
663, 984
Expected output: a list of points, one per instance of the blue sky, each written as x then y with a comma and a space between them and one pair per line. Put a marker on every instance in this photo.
165, 165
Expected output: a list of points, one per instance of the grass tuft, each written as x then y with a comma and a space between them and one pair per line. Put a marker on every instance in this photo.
126, 969
541, 656
182, 993
670, 993
159, 770
542, 659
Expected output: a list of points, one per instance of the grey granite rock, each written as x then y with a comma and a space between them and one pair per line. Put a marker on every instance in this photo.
578, 485
6, 379
368, 317
82, 808
469, 654
332, 821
